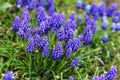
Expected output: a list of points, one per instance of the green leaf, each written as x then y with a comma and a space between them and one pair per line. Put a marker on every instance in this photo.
4, 6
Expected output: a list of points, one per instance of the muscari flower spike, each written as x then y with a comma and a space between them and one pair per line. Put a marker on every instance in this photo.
75, 62
88, 9
115, 19
41, 29
49, 3
68, 47
104, 24
87, 36
40, 3
26, 2
45, 52
37, 40
57, 21
113, 26
77, 42
79, 19
79, 4
102, 9
51, 10
18, 3
110, 75
16, 24
61, 34
44, 42
32, 4
94, 9
71, 78
8, 75
117, 27
30, 45
57, 51
105, 38
111, 9
72, 16
101, 77
40, 15
83, 5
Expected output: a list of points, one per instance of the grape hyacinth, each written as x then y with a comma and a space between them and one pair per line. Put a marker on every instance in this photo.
41, 29
83, 5
102, 9
51, 10
57, 51
57, 21
104, 24
8, 75
71, 78
25, 14
16, 24
105, 38
68, 47
40, 15
117, 27
61, 34
32, 4
113, 26
45, 52
87, 36
40, 3
77, 42
75, 62
44, 42
49, 3
111, 9
37, 40
30, 46
79, 4
18, 3
88, 9
79, 19
101, 77
110, 75
72, 16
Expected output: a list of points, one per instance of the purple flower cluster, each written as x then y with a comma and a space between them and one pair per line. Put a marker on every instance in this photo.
8, 75
110, 75
57, 51
101, 77
75, 62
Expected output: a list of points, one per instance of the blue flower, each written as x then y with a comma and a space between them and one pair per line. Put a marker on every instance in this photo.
110, 75
32, 4
105, 38
49, 3
41, 29
88, 9
69, 34
71, 78
77, 42
117, 13
72, 16
16, 24
94, 9
75, 62
30, 45
37, 41
61, 34
34, 30
18, 3
57, 20
111, 9
70, 24
26, 2
94, 29
87, 36
117, 27
8, 76
79, 19
44, 42
83, 5
20, 33
104, 24
102, 9
115, 19
79, 4
57, 51
25, 14
101, 77
113, 26
40, 3
40, 15
68, 47
27, 33
45, 52
51, 10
